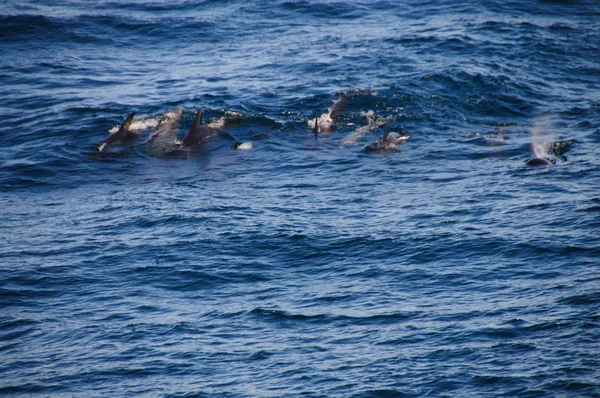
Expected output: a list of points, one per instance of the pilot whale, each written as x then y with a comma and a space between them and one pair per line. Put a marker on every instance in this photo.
387, 142
119, 135
163, 139
497, 140
325, 122
545, 161
548, 153
199, 132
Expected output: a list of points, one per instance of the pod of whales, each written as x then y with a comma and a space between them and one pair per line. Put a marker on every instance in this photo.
163, 138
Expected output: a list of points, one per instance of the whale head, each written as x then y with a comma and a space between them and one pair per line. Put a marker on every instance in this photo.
541, 161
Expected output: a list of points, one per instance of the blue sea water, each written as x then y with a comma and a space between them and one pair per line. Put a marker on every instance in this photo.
305, 266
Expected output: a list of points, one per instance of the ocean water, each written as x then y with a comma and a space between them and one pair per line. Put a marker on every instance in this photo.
305, 266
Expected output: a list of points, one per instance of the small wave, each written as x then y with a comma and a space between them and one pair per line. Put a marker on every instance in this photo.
582, 299
341, 10
377, 319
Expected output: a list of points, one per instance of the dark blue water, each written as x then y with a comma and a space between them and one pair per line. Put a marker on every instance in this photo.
303, 267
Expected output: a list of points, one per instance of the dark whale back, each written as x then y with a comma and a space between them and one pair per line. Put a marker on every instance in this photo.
198, 131
120, 134
540, 162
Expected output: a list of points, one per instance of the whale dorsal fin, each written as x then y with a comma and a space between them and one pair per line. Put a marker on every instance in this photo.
316, 127
338, 106
125, 125
385, 133
198, 121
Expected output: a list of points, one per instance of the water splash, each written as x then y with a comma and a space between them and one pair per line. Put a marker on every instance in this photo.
543, 131
374, 121
139, 125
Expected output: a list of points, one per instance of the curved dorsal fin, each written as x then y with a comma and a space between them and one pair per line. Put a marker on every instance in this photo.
198, 119
127, 122
385, 133
338, 106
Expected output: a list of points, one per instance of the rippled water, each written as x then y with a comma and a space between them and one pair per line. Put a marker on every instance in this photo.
305, 266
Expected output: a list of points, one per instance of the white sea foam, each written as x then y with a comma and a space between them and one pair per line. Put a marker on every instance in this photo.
138, 125
245, 145
220, 123
374, 121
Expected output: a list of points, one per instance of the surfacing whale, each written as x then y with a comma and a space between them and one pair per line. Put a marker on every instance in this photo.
118, 136
548, 153
163, 139
374, 121
387, 142
497, 140
199, 132
325, 122
545, 161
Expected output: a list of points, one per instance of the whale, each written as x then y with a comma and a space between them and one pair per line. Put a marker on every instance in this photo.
497, 140
118, 136
547, 153
325, 122
198, 132
387, 142
374, 121
163, 138
545, 161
